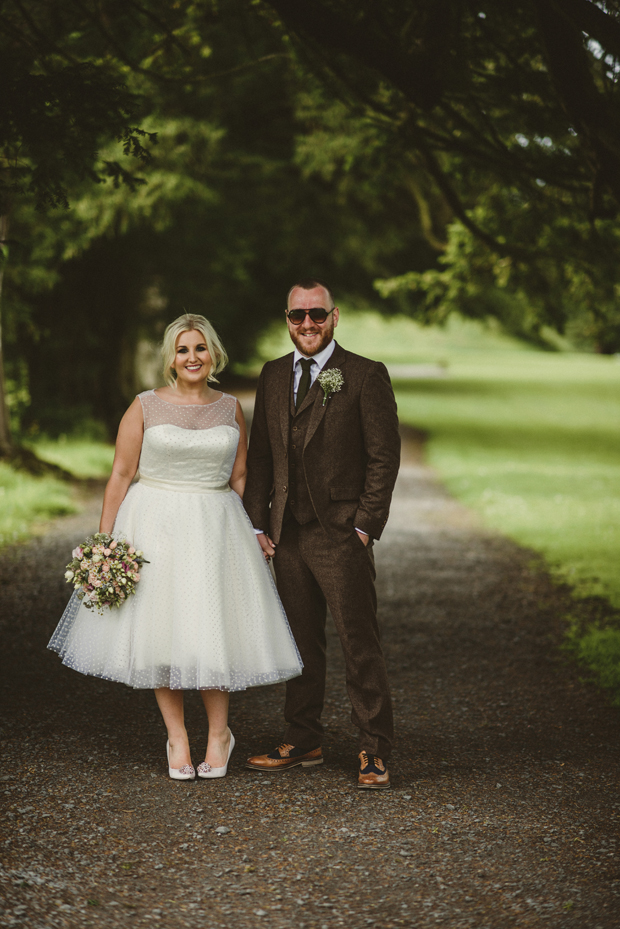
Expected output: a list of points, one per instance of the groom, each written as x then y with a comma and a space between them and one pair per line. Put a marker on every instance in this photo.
322, 464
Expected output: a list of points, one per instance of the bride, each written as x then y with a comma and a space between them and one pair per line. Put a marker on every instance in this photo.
205, 615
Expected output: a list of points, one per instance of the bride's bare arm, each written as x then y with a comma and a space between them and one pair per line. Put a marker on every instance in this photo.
239, 471
126, 458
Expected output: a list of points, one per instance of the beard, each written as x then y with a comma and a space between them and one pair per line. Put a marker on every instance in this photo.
301, 341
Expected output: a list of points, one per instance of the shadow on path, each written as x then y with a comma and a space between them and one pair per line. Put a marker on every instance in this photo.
505, 776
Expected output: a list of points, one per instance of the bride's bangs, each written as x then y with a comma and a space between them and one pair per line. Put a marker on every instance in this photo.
187, 323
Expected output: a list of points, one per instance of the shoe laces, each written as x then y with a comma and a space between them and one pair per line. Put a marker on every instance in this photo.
374, 760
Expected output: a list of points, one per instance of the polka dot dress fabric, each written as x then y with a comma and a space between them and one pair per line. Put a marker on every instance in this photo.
206, 613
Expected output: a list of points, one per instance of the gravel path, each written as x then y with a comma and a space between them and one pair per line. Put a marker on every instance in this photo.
505, 777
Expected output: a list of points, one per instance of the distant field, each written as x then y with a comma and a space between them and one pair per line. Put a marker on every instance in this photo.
538, 456
82, 457
529, 439
26, 501
399, 340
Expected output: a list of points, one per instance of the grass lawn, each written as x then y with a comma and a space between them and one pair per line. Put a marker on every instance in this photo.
537, 456
26, 500
82, 457
529, 439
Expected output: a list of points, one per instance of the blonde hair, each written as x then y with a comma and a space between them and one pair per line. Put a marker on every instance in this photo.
187, 323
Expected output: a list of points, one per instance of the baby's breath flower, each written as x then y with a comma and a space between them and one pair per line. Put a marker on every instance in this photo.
331, 381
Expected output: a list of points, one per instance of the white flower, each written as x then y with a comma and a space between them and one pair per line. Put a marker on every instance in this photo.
69, 575
331, 381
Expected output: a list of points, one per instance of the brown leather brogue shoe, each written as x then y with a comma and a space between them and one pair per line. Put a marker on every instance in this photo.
285, 756
373, 772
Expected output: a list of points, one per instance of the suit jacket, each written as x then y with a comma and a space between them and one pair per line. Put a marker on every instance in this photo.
351, 453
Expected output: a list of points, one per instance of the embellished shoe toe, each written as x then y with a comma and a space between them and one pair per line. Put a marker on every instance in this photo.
184, 773
205, 770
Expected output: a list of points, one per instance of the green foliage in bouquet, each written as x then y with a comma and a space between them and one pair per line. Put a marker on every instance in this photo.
104, 571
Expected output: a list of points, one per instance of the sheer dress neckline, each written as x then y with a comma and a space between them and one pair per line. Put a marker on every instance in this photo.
212, 403
193, 416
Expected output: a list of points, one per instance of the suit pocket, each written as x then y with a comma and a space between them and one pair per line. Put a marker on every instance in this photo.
345, 493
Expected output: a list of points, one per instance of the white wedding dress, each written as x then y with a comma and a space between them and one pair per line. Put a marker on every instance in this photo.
206, 613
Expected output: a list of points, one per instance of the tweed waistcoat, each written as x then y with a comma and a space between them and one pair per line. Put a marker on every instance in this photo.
299, 500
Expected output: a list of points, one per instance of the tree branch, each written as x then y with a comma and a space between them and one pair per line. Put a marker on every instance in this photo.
454, 201
420, 78
589, 111
595, 22
424, 213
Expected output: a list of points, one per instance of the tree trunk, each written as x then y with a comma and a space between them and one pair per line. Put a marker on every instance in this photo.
6, 444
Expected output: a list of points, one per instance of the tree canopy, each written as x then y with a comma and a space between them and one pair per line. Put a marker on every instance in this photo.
436, 154
509, 112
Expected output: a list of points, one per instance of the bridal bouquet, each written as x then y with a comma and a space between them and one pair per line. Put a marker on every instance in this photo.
104, 571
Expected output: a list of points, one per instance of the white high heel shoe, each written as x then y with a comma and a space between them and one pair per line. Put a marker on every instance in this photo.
185, 773
205, 770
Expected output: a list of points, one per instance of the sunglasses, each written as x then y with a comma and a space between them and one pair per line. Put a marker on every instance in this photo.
317, 314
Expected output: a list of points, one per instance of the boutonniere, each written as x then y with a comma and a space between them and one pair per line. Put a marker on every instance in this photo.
331, 381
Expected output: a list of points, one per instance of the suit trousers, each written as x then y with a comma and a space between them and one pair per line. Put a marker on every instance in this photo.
314, 572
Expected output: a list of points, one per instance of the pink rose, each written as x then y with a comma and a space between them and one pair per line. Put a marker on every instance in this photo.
105, 567
131, 550
113, 544
107, 551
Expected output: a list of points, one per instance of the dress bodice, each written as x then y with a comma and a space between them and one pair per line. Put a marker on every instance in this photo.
193, 445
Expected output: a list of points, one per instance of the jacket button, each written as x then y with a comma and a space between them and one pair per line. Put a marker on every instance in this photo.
294, 428
293, 446
284, 488
292, 503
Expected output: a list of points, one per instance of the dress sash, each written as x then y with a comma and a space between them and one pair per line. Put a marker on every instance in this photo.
184, 487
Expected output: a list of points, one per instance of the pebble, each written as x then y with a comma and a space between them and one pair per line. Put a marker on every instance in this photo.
222, 830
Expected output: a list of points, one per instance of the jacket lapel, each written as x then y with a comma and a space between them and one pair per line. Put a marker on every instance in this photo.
319, 409
310, 396
284, 394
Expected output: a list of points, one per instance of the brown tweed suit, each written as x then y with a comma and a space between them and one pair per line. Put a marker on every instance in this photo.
314, 476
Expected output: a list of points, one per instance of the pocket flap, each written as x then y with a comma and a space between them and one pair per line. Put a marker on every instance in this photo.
344, 493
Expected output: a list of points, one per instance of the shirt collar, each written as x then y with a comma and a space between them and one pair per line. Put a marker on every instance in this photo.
321, 357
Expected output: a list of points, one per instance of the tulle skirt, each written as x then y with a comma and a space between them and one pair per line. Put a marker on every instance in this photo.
206, 613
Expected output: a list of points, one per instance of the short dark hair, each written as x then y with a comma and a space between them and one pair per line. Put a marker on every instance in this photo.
309, 283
